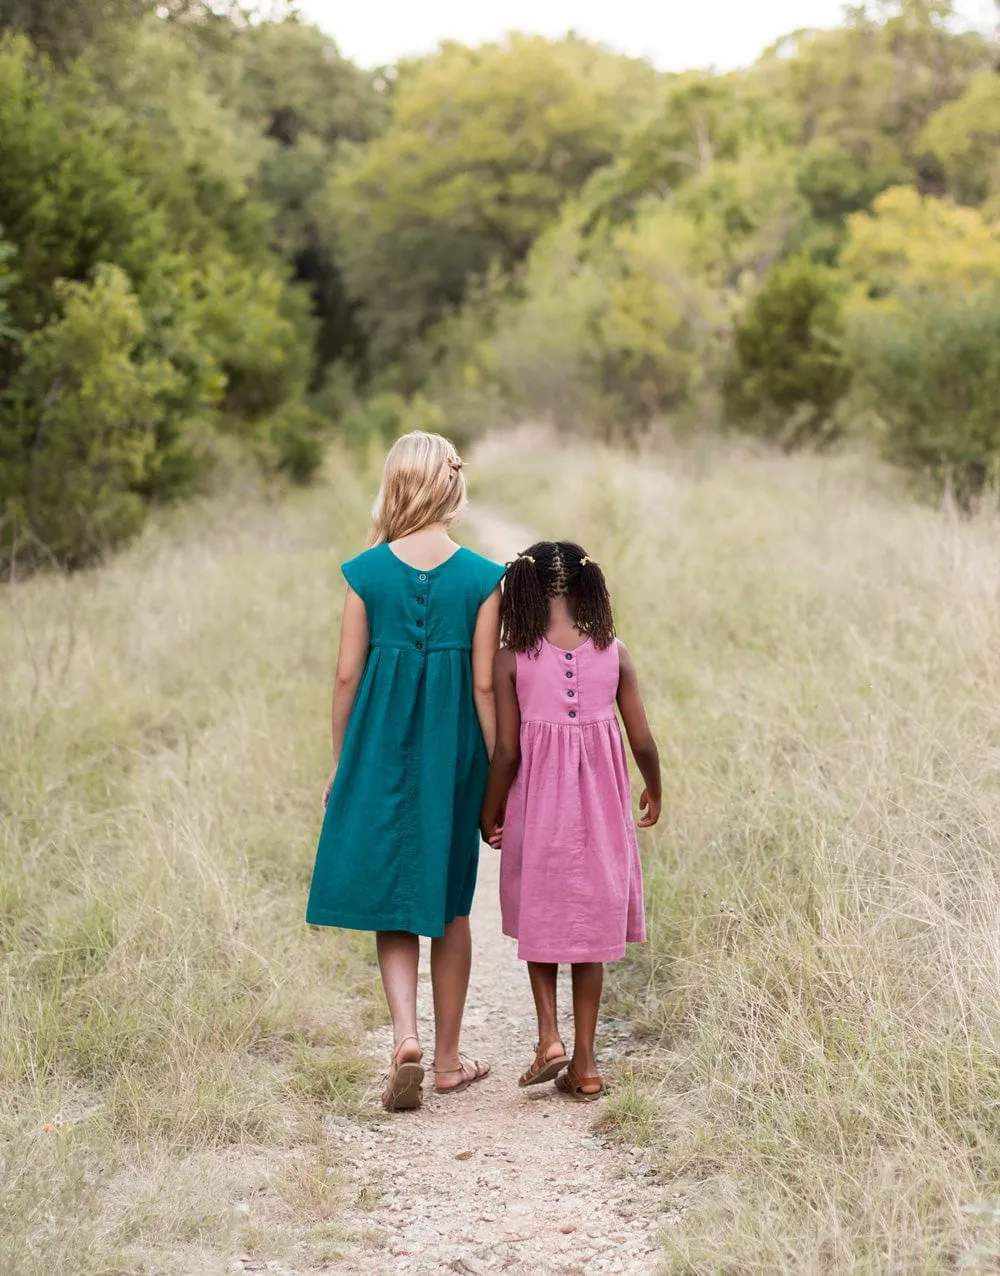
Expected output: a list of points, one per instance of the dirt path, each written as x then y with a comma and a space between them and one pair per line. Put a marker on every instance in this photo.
498, 1179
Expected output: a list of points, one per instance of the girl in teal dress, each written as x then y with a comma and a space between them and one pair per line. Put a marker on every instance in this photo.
413, 728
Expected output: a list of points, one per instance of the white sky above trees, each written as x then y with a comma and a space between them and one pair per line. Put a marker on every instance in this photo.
673, 34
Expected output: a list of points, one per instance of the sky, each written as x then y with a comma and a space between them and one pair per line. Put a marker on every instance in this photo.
674, 34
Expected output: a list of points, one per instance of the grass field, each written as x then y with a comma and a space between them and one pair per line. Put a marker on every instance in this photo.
820, 992
172, 1036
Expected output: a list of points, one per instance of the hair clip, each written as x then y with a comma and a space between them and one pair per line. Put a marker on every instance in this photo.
584, 561
455, 462
528, 557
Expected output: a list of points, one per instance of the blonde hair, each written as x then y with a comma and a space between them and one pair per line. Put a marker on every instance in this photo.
422, 483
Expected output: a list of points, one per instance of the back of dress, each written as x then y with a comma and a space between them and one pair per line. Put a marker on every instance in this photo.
570, 877
571, 688
399, 847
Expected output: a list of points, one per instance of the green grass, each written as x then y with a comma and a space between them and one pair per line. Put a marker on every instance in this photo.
171, 1033
821, 990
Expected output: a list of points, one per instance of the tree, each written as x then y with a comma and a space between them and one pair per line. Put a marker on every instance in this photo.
912, 243
484, 146
289, 81
864, 93
131, 203
64, 28
700, 120
964, 138
929, 375
788, 369
81, 434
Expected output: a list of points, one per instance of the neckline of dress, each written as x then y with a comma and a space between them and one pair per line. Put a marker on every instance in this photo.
425, 570
567, 651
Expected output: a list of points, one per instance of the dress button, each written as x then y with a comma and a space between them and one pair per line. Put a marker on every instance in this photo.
569, 655
420, 624
420, 646
569, 673
572, 713
571, 694
422, 576
420, 600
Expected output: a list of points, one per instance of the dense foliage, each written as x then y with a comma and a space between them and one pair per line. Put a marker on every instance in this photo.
216, 225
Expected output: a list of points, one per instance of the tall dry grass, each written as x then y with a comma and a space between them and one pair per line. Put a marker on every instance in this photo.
821, 989
172, 1036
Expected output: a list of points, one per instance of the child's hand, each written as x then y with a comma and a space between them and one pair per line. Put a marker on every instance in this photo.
492, 835
329, 787
650, 807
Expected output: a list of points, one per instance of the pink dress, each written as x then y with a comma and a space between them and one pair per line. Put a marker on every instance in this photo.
570, 879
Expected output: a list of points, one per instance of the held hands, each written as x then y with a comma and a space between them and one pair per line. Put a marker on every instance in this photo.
650, 808
492, 833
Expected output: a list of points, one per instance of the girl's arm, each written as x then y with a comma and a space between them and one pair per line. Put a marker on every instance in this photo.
640, 739
507, 754
350, 667
485, 641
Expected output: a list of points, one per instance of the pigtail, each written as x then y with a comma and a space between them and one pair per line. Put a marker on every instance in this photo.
593, 604
524, 608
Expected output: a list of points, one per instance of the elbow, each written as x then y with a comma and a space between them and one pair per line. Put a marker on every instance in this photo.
483, 690
347, 682
506, 757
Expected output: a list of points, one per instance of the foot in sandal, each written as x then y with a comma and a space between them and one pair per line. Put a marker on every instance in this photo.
549, 1061
455, 1080
402, 1091
584, 1087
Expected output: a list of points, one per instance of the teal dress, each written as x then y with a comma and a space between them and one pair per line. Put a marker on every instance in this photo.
399, 849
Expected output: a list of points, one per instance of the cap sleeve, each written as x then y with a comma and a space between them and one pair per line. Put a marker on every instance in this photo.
490, 575
355, 572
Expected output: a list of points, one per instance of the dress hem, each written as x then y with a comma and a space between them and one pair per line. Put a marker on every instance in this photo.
357, 921
569, 956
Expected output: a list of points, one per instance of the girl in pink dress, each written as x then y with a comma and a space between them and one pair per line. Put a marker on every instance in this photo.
558, 800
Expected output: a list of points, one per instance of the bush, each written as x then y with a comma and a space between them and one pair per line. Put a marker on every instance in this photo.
788, 369
293, 443
929, 372
381, 419
80, 437
613, 329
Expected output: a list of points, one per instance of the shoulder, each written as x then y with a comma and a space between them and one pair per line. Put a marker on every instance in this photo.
626, 669
484, 572
505, 663
359, 571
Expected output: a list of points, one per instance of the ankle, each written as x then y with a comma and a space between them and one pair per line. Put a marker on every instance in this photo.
407, 1045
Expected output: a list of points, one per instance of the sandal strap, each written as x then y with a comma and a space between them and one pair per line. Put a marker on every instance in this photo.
402, 1042
541, 1060
464, 1063
577, 1082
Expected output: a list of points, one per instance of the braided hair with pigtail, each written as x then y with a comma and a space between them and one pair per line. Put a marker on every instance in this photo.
553, 569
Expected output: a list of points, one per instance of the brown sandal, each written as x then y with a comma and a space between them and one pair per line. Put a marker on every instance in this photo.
480, 1071
403, 1085
573, 1085
543, 1068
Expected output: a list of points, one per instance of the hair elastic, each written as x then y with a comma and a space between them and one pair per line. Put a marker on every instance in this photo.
455, 462
584, 561
528, 557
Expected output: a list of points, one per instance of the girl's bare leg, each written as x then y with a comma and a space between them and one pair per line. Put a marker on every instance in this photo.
544, 983
398, 957
451, 961
588, 981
